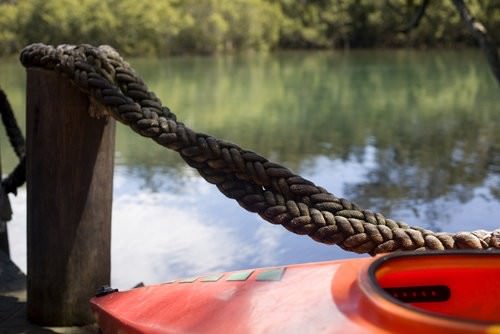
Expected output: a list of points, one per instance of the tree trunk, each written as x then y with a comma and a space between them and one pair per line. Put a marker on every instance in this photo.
481, 35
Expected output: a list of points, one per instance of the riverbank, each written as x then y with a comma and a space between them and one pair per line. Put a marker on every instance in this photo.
168, 27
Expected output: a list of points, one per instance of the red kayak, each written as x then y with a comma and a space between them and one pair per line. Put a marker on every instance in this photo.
442, 292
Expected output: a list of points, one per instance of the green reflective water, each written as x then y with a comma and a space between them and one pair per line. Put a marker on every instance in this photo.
414, 135
433, 117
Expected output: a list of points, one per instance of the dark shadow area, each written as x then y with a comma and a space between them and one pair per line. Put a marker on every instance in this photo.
13, 300
13, 316
11, 277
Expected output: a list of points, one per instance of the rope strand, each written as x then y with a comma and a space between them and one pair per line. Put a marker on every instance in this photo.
259, 185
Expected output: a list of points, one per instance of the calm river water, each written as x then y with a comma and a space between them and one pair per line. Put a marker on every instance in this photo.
414, 135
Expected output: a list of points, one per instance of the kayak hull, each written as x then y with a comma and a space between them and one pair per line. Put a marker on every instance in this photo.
345, 296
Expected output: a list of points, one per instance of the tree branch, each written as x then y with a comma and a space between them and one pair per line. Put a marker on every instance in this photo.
394, 8
481, 35
415, 21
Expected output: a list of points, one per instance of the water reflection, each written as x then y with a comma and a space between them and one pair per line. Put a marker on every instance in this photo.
432, 118
414, 135
160, 235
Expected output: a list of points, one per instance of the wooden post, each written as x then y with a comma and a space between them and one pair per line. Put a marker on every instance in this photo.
5, 216
4, 238
69, 176
4, 208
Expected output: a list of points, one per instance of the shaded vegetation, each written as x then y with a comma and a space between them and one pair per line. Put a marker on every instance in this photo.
213, 26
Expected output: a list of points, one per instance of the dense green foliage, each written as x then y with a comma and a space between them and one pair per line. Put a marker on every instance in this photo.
213, 26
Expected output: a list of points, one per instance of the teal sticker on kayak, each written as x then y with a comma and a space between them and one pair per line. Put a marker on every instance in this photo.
240, 275
274, 274
211, 278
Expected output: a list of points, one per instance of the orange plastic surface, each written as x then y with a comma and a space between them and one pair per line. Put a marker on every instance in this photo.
474, 283
470, 308
330, 297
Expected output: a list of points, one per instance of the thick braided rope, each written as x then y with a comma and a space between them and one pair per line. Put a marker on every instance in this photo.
269, 189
